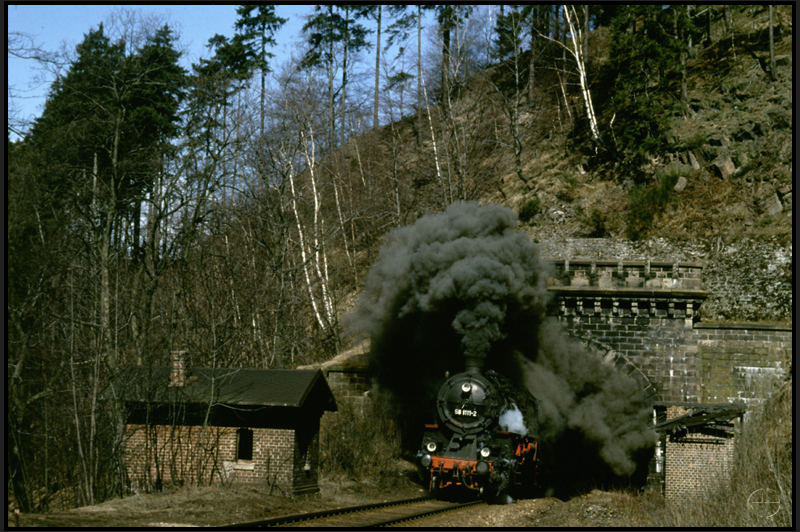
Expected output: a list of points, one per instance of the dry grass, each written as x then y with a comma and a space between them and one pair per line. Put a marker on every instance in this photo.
216, 505
598, 509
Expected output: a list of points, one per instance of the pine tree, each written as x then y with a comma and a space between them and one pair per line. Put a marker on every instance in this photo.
258, 24
645, 58
449, 18
332, 26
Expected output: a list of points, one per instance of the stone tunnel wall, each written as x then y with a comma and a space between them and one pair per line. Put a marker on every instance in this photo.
647, 311
739, 361
641, 309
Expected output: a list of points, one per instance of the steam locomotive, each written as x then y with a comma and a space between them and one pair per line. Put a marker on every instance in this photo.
484, 439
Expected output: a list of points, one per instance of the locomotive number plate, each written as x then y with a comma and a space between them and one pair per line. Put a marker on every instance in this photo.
465, 412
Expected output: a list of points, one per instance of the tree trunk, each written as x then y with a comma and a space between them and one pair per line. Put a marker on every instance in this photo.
344, 231
263, 81
581, 65
395, 178
585, 48
344, 75
303, 257
419, 75
556, 23
85, 481
564, 95
331, 109
772, 74
377, 70
531, 61
446, 69
313, 253
320, 257
515, 131
439, 178
103, 262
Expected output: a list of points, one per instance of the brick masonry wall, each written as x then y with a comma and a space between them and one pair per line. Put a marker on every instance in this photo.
747, 280
739, 362
660, 345
161, 455
348, 383
692, 463
305, 464
607, 274
705, 363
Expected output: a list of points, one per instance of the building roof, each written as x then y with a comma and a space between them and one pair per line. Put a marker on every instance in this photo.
286, 388
707, 417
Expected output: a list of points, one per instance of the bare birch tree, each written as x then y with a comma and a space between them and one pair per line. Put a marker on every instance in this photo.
577, 51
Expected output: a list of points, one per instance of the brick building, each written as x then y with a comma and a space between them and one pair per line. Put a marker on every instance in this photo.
699, 445
646, 312
219, 425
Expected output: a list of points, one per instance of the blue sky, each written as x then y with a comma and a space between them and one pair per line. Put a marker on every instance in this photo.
54, 26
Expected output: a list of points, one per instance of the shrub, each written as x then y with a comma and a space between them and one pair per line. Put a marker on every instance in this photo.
359, 441
596, 224
530, 208
646, 201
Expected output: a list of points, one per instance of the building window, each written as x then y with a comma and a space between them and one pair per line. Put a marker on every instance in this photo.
244, 444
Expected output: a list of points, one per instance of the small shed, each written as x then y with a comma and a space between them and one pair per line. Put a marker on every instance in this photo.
224, 425
698, 442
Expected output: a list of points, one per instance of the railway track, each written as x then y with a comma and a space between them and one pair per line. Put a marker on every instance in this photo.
365, 516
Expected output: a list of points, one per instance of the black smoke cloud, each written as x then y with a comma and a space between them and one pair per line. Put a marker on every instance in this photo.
464, 287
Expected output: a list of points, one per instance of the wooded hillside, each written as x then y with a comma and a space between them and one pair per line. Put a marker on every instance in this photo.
233, 210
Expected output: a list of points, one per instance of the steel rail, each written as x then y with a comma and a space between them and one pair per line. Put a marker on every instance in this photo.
308, 516
426, 513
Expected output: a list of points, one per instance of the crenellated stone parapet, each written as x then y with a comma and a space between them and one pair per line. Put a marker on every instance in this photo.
616, 275
626, 289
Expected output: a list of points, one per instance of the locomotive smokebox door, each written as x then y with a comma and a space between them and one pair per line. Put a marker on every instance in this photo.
467, 403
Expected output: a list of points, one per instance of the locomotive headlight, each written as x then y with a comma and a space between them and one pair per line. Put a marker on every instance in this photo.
466, 387
430, 446
425, 460
485, 452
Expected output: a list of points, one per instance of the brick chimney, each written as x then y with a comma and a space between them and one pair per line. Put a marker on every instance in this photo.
177, 368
